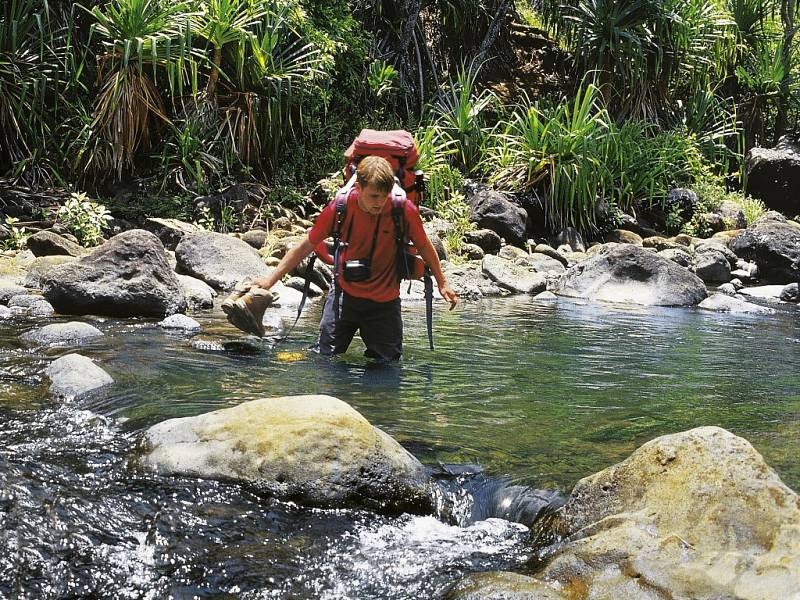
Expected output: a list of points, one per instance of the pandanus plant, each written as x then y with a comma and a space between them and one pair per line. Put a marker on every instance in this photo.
145, 47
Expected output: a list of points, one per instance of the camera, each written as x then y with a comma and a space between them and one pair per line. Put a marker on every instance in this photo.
357, 269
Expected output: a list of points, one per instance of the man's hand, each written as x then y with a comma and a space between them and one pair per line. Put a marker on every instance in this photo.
261, 282
449, 295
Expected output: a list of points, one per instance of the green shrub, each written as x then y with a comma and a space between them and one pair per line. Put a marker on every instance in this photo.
85, 219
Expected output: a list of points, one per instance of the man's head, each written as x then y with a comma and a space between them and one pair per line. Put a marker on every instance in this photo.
374, 181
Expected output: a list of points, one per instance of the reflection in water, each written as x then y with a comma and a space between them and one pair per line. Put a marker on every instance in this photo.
537, 395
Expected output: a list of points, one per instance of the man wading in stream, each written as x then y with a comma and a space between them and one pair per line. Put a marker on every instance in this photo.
365, 296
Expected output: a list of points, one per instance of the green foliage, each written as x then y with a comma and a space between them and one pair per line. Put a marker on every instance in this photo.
85, 219
460, 115
17, 236
642, 51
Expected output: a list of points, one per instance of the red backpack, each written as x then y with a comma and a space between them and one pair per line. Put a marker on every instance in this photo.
397, 147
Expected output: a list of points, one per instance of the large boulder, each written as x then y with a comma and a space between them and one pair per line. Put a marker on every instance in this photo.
39, 268
773, 175
314, 449
127, 276
48, 243
695, 515
627, 273
774, 245
493, 210
220, 260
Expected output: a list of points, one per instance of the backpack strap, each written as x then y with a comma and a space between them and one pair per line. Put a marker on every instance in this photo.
341, 212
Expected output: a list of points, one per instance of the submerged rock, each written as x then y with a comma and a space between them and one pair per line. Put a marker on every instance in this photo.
502, 585
74, 376
697, 515
127, 276
62, 333
627, 273
314, 449
180, 322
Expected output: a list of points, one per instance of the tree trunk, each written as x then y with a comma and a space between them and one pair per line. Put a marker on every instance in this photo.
494, 30
211, 89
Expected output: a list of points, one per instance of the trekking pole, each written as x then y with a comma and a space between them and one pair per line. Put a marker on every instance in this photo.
429, 304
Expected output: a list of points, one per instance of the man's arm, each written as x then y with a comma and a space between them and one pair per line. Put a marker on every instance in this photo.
290, 260
428, 254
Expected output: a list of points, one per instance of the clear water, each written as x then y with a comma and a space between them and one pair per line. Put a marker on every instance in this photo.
537, 395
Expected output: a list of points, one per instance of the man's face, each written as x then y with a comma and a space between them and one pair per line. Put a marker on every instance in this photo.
371, 199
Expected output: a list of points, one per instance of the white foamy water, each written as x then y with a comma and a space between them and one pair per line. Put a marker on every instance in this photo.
409, 557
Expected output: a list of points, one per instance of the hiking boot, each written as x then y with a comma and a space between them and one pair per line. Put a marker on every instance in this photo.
245, 310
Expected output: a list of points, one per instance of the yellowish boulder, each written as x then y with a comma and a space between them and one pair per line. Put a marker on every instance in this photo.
697, 515
314, 449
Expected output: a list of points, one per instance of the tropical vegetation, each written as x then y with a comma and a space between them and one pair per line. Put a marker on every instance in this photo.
145, 105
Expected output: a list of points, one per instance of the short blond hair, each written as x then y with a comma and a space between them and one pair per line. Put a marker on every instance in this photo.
376, 171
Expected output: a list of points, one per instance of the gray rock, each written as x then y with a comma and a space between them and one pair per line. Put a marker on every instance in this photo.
551, 252
732, 214
170, 231
571, 237
627, 273
255, 237
5, 312
726, 303
546, 297
512, 253
472, 252
486, 239
513, 277
172, 260
737, 283
218, 259
684, 200
790, 293
717, 246
542, 263
74, 376
765, 292
298, 283
72, 332
774, 245
712, 266
726, 288
31, 305
42, 266
773, 175
9, 290
321, 275
469, 282
493, 210
198, 293
181, 322
677, 255
623, 236
48, 243
127, 276
314, 449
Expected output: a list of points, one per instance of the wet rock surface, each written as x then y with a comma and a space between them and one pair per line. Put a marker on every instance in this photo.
316, 449
74, 376
127, 276
628, 273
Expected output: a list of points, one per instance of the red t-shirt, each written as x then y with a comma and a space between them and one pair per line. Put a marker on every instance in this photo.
358, 230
